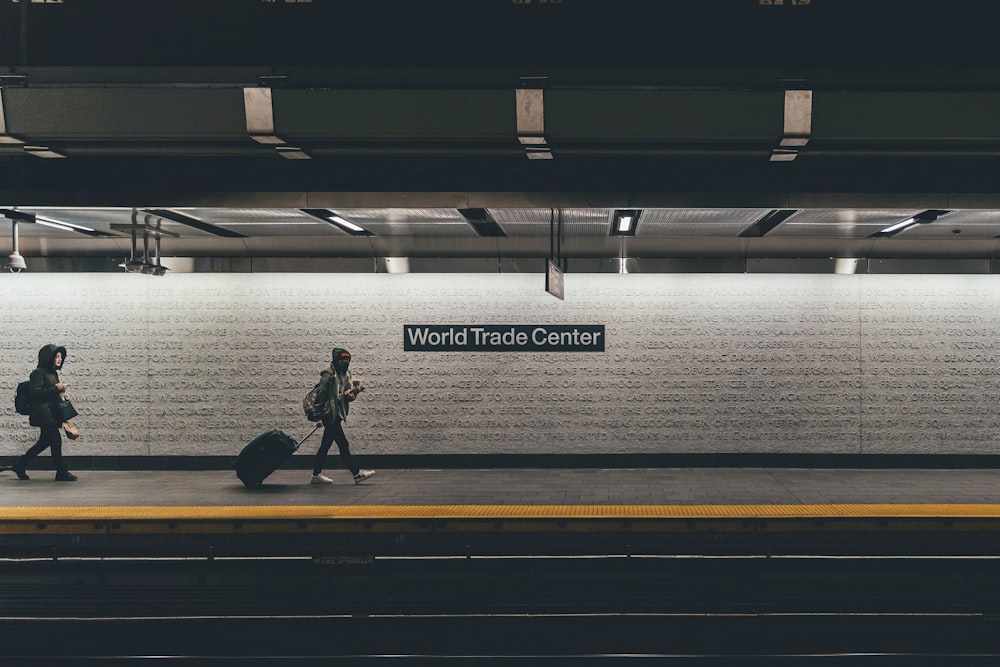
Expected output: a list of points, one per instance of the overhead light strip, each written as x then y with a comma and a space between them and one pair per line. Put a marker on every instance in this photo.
922, 218
899, 226
344, 222
624, 222
22, 216
42, 220
336, 220
56, 225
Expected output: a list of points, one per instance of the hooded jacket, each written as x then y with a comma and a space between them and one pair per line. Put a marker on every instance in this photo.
42, 386
335, 384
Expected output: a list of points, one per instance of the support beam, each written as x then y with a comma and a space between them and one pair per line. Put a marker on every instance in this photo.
797, 125
530, 106
4, 137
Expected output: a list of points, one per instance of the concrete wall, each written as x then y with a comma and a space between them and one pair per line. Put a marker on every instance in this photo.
200, 363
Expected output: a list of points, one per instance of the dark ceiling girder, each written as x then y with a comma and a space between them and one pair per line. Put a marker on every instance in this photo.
604, 123
201, 225
767, 223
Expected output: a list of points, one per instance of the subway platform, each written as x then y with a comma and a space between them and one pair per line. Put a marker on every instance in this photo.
505, 512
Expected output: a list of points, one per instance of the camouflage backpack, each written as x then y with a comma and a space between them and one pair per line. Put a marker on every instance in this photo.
314, 410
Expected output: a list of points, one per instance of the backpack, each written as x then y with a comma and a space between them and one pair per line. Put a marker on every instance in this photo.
22, 401
314, 412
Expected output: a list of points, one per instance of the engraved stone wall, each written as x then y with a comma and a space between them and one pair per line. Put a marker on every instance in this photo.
201, 363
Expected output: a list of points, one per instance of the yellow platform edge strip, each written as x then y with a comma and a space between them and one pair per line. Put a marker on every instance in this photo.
495, 512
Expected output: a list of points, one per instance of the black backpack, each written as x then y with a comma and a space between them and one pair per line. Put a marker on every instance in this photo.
22, 401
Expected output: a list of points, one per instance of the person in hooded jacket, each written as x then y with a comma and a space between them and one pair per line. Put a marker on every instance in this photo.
337, 392
45, 390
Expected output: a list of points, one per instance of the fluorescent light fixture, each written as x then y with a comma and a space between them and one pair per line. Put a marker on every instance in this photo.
337, 220
49, 222
42, 220
56, 225
624, 222
899, 226
921, 218
344, 222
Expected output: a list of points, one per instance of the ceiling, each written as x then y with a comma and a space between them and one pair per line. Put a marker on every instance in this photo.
752, 134
450, 239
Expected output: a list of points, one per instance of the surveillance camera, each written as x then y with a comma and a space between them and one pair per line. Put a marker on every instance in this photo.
16, 263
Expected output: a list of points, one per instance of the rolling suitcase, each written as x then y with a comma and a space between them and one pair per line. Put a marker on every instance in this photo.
265, 454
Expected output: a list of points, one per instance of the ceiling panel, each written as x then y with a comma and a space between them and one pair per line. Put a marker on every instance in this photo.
537, 221
102, 220
839, 223
697, 234
259, 222
424, 222
966, 225
696, 222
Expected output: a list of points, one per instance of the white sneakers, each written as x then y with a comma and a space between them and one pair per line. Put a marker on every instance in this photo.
360, 477
363, 475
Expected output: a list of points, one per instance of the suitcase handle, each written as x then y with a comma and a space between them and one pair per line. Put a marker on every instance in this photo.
315, 428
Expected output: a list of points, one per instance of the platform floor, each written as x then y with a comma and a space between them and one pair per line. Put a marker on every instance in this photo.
506, 512
542, 487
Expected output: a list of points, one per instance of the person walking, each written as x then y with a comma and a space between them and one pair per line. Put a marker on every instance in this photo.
45, 391
337, 391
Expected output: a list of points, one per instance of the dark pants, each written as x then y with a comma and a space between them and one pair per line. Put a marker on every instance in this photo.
49, 437
333, 431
